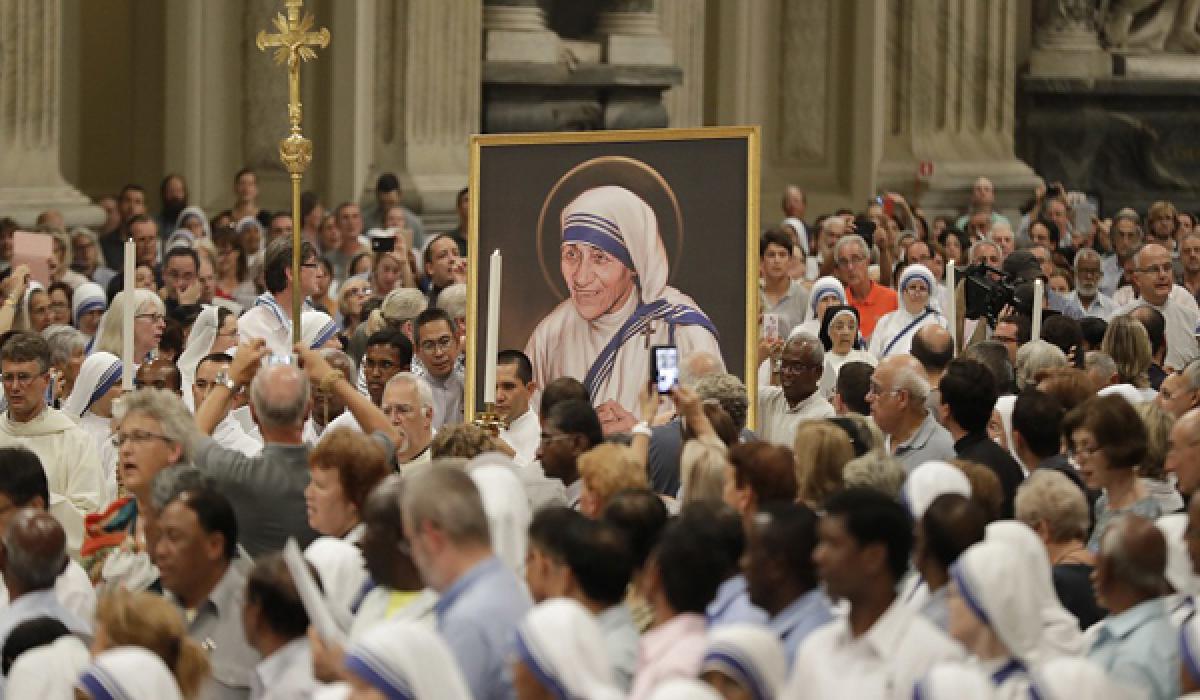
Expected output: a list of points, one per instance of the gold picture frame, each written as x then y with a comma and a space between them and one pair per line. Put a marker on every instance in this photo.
530, 158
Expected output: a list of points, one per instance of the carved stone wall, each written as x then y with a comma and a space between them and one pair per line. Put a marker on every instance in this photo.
30, 108
684, 24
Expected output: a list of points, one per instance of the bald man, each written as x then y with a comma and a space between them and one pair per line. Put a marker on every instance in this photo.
159, 374
1136, 644
32, 555
796, 400
1183, 452
1156, 288
899, 398
933, 347
267, 490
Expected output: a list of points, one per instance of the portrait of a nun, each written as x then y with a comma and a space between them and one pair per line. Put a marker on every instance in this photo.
615, 268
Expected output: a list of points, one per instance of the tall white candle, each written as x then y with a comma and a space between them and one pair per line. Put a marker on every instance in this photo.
1038, 292
952, 306
128, 312
493, 329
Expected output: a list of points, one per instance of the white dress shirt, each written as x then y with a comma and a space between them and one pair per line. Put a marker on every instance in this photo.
885, 662
1182, 315
1102, 305
523, 435
780, 420
73, 589
286, 674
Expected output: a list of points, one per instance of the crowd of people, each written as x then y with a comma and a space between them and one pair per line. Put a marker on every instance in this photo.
934, 500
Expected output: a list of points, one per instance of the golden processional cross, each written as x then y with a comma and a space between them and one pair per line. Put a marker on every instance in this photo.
293, 44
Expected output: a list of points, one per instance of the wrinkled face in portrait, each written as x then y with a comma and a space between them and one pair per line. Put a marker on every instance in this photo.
597, 281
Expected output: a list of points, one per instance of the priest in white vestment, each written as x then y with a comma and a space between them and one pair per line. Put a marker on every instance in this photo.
68, 454
615, 268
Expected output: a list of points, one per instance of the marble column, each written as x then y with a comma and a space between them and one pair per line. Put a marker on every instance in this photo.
948, 102
427, 86
31, 178
631, 34
515, 30
1066, 40
683, 23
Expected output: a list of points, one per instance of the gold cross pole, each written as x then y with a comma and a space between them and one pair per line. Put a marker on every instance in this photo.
293, 44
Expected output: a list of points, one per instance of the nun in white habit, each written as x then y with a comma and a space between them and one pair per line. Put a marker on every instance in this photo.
924, 484
1071, 678
615, 268
559, 646
90, 405
199, 345
747, 658
318, 330
954, 681
508, 513
1060, 629
843, 343
128, 673
192, 218
825, 292
88, 304
1189, 657
994, 616
895, 330
405, 660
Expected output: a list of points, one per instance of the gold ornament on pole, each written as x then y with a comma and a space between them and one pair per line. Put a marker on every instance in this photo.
293, 44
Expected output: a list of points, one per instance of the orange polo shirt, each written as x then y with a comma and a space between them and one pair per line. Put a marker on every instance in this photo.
879, 301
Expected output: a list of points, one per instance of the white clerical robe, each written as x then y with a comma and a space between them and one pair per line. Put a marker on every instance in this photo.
262, 322
72, 466
564, 344
100, 428
523, 435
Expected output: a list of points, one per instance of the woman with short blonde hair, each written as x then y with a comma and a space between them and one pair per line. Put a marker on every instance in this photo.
148, 621
822, 450
605, 470
1128, 344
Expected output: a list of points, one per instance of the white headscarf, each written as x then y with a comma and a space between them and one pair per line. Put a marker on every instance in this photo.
822, 288
316, 328
1068, 678
48, 672
1179, 563
999, 590
636, 232
508, 513
407, 659
917, 271
98, 373
752, 655
1004, 407
199, 344
248, 221
894, 333
563, 645
930, 480
1060, 630
88, 296
684, 689
953, 681
180, 238
129, 673
199, 214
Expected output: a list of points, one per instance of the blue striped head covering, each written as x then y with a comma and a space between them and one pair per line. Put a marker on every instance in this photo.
750, 655
129, 673
88, 296
99, 372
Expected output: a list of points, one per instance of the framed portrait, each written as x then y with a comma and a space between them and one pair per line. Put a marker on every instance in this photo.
613, 243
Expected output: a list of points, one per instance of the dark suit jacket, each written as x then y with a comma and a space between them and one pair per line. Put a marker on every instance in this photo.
978, 447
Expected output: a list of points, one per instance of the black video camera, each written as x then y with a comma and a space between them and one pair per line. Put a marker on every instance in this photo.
988, 291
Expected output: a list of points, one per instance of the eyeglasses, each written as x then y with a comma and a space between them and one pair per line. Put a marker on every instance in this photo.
852, 260
1164, 269
916, 289
21, 379
441, 344
152, 318
401, 410
791, 368
1082, 451
879, 392
138, 436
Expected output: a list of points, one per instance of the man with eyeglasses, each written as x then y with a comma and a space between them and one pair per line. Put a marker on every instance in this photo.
408, 405
66, 451
271, 317
229, 432
437, 349
796, 400
872, 300
388, 353
144, 232
1156, 288
898, 395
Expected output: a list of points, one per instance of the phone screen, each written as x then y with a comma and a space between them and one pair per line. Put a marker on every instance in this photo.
666, 367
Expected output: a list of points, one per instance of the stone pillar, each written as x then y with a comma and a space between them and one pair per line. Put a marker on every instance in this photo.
264, 106
31, 179
515, 30
683, 22
428, 100
949, 103
631, 34
1067, 40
